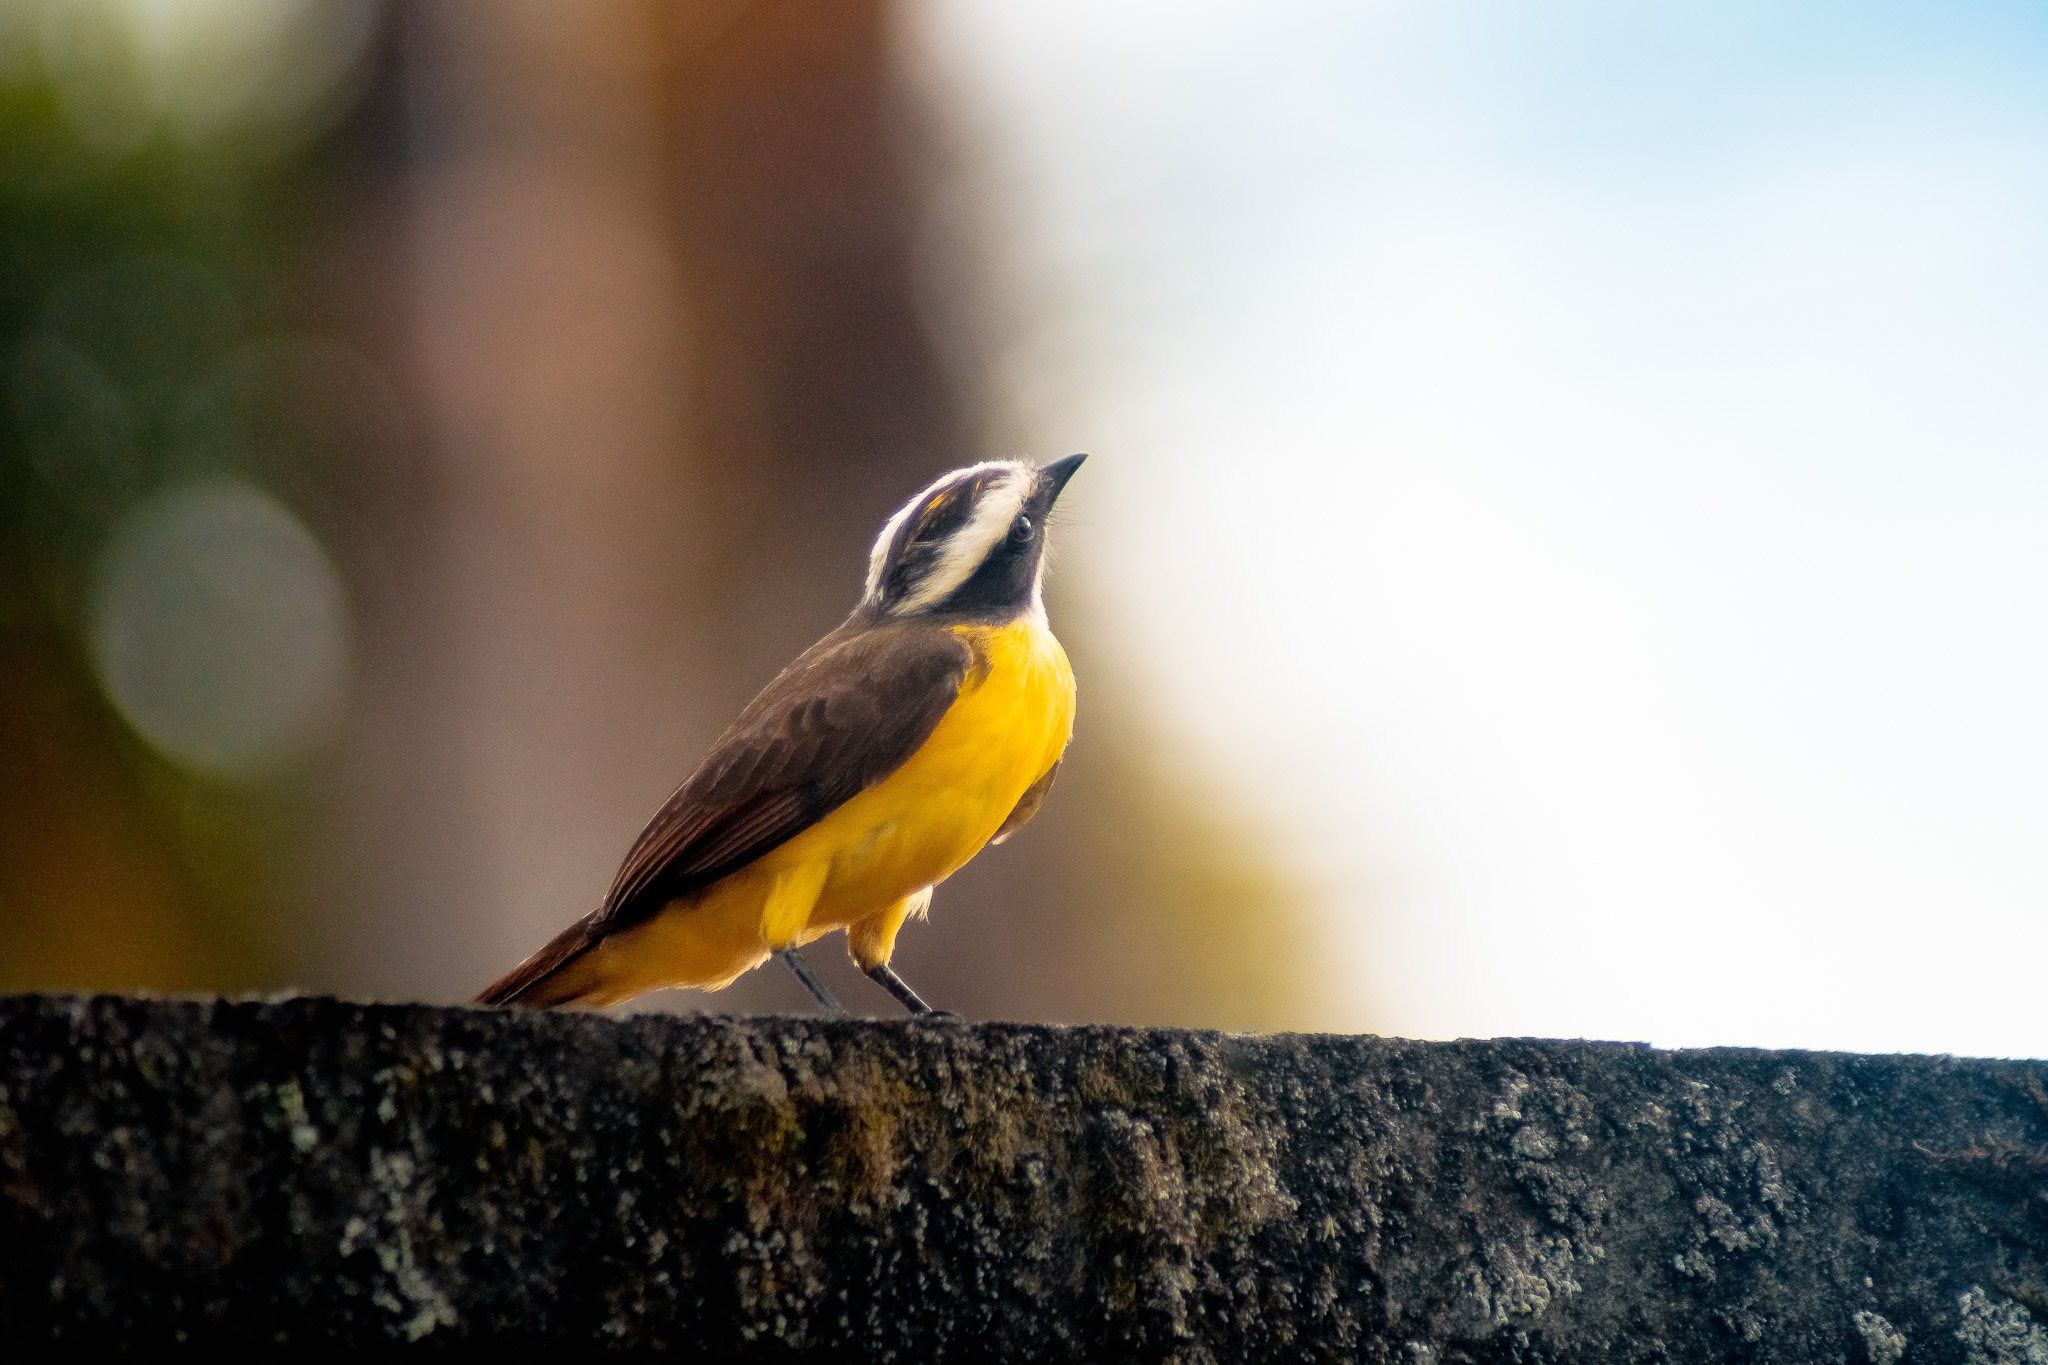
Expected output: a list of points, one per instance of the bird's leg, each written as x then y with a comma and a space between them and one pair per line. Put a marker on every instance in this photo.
881, 974
794, 960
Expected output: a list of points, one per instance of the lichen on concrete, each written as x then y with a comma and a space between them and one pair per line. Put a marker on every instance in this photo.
1882, 1342
312, 1171
1995, 1332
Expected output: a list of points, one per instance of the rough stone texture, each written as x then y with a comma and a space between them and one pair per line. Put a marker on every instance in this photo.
311, 1171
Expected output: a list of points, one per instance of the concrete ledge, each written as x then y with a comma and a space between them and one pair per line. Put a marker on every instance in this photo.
311, 1171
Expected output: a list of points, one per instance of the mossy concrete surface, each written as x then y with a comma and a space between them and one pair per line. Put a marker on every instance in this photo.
317, 1172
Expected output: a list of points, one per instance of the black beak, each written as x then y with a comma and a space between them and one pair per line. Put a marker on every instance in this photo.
1053, 477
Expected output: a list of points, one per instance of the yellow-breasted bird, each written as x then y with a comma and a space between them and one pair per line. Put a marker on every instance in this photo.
929, 724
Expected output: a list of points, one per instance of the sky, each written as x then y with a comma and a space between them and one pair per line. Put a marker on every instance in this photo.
1578, 474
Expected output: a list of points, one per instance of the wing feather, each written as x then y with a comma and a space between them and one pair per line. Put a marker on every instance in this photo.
840, 719
1028, 804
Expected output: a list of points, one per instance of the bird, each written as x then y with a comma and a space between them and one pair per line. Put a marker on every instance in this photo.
929, 724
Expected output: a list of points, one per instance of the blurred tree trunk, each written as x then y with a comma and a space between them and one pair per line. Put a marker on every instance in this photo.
532, 690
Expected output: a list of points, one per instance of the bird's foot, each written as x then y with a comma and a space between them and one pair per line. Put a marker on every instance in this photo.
828, 1002
887, 979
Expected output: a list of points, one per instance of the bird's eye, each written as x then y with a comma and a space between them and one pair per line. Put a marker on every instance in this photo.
1020, 529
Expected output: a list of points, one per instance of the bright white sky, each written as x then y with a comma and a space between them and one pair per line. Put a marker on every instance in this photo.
1579, 470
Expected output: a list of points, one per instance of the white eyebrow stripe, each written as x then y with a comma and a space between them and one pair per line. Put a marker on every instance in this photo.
962, 552
965, 548
878, 558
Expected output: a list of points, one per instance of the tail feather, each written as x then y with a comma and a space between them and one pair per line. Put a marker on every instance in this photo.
538, 982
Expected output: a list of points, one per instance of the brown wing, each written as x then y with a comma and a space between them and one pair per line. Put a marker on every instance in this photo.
1028, 804
841, 718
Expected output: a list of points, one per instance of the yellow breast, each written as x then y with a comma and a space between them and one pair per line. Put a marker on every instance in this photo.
924, 821
910, 831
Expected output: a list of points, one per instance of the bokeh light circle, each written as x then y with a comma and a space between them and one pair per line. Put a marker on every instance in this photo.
220, 629
200, 68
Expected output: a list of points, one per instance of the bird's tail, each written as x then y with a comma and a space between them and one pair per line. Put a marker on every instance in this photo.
551, 976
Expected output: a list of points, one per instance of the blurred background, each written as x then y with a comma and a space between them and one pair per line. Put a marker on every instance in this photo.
1564, 552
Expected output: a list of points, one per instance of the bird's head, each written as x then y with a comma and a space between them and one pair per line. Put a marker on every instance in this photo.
972, 545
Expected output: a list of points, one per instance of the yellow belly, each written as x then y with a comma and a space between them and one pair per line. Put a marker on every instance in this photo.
908, 832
